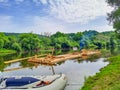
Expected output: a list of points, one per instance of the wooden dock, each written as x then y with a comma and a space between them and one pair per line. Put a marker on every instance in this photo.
50, 59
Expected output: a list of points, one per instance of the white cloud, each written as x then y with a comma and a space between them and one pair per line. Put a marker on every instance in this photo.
71, 11
8, 25
3, 0
5, 22
37, 25
41, 25
78, 10
44, 1
103, 28
74, 11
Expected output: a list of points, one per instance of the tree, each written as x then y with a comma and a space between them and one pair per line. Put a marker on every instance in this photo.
59, 34
5, 40
78, 36
16, 46
112, 42
114, 16
29, 41
1, 43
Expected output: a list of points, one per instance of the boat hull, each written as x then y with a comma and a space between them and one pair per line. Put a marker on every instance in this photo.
58, 84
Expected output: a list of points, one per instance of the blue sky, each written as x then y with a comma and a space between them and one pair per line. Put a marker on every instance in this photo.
40, 16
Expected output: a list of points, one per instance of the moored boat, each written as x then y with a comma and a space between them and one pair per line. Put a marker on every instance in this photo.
51, 82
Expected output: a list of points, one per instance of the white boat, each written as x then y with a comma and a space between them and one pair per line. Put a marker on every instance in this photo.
51, 82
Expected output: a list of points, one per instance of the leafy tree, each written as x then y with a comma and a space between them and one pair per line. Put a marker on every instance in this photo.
59, 34
112, 42
11, 40
46, 42
114, 16
29, 41
87, 39
101, 40
1, 43
58, 46
16, 46
61, 40
5, 40
78, 36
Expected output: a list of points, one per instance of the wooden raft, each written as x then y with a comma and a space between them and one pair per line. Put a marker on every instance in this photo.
50, 59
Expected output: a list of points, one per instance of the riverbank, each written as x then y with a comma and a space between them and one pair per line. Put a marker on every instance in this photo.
107, 79
4, 52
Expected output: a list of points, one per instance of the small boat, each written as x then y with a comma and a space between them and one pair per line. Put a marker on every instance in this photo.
51, 82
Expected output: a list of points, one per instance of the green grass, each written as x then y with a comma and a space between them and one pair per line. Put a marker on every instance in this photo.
4, 52
107, 79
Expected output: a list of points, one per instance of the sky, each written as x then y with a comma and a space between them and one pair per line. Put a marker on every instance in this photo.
67, 16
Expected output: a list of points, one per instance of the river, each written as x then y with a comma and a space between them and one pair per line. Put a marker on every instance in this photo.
76, 70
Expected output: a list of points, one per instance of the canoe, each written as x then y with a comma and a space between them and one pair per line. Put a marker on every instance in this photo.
51, 82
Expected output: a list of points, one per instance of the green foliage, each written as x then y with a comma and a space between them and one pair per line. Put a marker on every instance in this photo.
1, 43
114, 16
29, 41
2, 65
60, 40
59, 34
107, 79
6, 51
114, 3
4, 39
16, 46
34, 42
77, 36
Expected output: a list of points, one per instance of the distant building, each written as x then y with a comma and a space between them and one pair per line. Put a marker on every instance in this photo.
75, 48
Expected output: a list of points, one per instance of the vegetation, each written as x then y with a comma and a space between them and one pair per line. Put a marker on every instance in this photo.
107, 79
114, 16
33, 42
5, 51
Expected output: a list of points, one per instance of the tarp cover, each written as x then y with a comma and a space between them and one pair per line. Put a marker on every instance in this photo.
20, 81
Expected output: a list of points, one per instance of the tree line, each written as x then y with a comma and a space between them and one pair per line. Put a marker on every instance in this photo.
34, 42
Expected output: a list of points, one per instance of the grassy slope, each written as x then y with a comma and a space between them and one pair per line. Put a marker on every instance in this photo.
5, 52
107, 79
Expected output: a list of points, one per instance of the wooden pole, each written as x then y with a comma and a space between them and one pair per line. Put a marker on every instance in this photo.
21, 59
53, 70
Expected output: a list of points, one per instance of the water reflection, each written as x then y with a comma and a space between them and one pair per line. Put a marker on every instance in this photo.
76, 69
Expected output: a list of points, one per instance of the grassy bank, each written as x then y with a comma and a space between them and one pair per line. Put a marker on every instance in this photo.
107, 79
6, 51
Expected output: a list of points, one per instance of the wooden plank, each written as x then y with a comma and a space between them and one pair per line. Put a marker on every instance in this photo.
12, 69
17, 60
66, 58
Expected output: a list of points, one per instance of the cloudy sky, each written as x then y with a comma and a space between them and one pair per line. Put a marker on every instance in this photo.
53, 15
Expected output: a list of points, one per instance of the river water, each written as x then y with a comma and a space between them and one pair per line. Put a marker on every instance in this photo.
76, 70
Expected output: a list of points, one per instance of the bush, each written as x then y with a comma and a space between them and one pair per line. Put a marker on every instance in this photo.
16, 47
1, 43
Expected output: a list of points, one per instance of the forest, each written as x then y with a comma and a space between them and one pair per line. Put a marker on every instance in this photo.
89, 39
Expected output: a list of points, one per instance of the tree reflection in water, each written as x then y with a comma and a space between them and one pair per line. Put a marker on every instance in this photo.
25, 64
